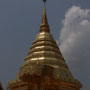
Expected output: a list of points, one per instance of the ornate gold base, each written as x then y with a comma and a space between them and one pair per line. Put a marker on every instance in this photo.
44, 82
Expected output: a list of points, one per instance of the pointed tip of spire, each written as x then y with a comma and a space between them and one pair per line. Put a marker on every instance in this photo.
44, 19
44, 1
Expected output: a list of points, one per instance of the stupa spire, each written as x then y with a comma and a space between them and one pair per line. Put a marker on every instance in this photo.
44, 67
44, 20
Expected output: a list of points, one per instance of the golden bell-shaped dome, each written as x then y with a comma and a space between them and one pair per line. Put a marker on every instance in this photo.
45, 51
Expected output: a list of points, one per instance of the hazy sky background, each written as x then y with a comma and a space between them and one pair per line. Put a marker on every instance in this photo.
69, 22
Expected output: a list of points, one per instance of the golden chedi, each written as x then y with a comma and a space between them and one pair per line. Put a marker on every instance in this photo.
44, 67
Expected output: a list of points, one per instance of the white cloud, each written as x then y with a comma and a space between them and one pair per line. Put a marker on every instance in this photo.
75, 40
75, 33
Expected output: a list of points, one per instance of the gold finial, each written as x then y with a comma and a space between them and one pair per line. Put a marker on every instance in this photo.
44, 19
44, 1
44, 26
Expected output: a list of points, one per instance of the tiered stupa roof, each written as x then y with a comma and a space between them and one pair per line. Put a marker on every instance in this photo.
45, 51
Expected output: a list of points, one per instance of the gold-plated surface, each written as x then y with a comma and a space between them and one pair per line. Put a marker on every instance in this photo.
45, 51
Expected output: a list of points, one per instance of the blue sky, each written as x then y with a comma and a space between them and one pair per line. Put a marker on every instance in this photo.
19, 24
